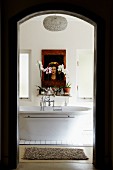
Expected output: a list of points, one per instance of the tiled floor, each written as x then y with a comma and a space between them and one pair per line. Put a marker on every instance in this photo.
86, 139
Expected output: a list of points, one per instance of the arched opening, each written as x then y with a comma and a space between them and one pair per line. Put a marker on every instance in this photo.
98, 95
78, 42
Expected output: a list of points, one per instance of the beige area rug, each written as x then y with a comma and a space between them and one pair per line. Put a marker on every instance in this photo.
34, 153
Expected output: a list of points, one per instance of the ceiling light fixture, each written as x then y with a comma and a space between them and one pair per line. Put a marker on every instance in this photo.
55, 23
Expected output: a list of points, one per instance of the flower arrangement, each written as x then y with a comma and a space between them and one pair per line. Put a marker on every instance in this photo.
65, 71
61, 69
47, 70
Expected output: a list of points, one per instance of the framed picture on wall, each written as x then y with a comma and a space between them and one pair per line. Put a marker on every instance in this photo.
51, 59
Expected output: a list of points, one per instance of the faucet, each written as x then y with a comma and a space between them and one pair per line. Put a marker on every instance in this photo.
41, 105
44, 100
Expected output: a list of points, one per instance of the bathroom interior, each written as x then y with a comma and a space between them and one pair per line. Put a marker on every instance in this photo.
67, 120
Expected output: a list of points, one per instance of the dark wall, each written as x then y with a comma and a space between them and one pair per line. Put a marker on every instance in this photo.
0, 81
102, 9
112, 86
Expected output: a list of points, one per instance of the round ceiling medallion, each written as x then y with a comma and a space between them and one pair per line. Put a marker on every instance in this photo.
55, 23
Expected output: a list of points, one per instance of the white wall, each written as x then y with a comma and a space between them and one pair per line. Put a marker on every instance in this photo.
85, 69
33, 36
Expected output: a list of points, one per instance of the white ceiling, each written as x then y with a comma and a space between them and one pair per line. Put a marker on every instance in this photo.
68, 17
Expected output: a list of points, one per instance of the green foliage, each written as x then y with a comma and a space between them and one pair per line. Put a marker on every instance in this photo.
68, 85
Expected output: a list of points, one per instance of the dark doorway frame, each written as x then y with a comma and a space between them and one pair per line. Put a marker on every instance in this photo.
99, 91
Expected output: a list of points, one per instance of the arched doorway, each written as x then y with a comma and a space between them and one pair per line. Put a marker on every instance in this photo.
99, 79
80, 35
